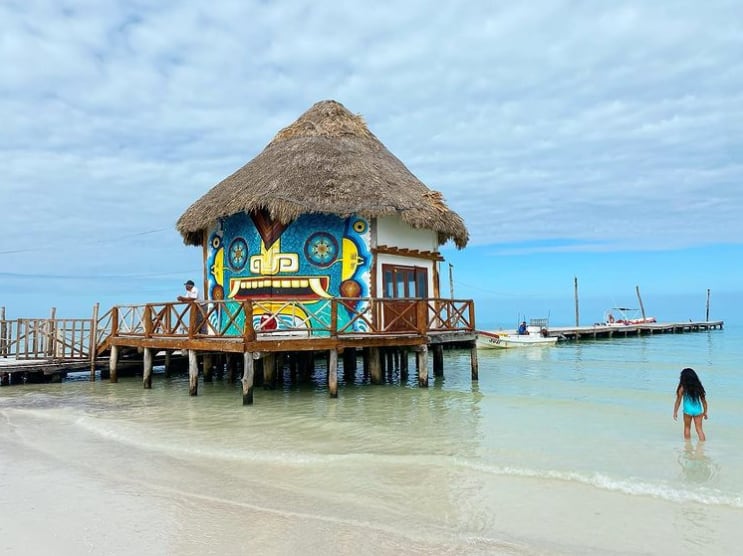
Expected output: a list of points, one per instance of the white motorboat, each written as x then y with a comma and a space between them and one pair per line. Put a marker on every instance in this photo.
537, 334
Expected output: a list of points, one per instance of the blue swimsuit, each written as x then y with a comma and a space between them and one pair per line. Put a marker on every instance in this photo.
692, 407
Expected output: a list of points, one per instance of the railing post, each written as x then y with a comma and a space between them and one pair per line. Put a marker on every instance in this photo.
334, 318
51, 330
93, 340
3, 333
421, 316
248, 330
114, 321
471, 304
193, 312
147, 316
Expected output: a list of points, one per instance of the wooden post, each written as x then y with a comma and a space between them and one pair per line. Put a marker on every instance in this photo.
248, 330
403, 364
349, 362
51, 330
247, 380
577, 314
269, 371
193, 373
438, 360
473, 362
93, 345
208, 367
112, 362
642, 307
375, 365
147, 370
422, 357
333, 373
706, 314
3, 333
168, 355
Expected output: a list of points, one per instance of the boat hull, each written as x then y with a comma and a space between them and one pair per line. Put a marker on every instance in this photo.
500, 340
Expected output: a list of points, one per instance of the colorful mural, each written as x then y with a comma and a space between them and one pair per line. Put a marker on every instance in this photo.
311, 260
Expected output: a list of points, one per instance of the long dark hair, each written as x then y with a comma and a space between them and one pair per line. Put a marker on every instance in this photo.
691, 384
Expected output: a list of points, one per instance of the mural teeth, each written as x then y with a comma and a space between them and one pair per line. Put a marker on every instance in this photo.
316, 286
295, 284
286, 283
303, 284
235, 287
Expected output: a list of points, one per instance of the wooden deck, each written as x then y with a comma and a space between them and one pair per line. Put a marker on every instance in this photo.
379, 327
625, 330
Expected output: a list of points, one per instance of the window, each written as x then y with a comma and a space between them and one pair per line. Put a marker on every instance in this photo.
404, 281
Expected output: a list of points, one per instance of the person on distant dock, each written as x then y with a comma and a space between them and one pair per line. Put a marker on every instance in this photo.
522, 329
691, 392
192, 292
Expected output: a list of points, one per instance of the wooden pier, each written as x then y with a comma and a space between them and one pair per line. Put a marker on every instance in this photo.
596, 331
383, 331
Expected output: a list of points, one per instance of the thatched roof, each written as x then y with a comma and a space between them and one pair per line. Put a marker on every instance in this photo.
326, 162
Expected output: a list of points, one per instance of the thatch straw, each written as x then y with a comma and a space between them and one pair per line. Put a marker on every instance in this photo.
326, 162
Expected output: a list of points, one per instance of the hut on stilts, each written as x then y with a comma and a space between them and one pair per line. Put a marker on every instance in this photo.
324, 242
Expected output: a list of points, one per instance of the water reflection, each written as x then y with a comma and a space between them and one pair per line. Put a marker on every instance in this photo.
696, 466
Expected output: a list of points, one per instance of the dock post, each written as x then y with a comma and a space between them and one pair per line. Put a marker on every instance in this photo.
333, 373
147, 370
375, 365
193, 373
438, 360
474, 363
422, 359
208, 367
247, 380
403, 365
269, 371
112, 362
168, 355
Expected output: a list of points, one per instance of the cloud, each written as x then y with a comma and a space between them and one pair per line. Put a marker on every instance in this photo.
597, 126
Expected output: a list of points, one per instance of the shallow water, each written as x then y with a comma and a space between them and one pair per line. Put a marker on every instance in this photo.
563, 450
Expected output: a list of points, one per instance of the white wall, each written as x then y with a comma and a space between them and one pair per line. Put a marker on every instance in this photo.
393, 232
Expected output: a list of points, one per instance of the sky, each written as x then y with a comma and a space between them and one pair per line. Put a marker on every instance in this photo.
597, 143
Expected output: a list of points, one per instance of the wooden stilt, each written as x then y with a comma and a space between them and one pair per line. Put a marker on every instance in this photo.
112, 363
147, 370
193, 373
269, 371
403, 365
375, 366
168, 355
208, 367
333, 373
422, 359
438, 360
474, 363
349, 364
231, 365
247, 380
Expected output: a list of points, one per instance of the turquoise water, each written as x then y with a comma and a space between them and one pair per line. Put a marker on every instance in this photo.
569, 449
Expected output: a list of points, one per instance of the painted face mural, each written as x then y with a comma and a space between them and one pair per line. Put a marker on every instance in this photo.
311, 260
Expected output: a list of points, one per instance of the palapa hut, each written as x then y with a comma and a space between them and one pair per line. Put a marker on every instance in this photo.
324, 211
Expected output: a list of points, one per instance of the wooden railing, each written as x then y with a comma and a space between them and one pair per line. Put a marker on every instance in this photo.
254, 319
80, 339
68, 339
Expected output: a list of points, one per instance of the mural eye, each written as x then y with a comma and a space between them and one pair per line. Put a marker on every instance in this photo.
359, 226
321, 249
238, 253
216, 241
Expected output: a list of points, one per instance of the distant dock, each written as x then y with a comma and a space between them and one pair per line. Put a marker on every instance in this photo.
597, 331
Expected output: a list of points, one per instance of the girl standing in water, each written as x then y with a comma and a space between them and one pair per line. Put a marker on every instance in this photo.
691, 392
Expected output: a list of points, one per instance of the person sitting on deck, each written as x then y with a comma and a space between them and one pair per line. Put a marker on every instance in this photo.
192, 292
522, 329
